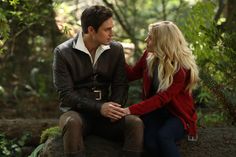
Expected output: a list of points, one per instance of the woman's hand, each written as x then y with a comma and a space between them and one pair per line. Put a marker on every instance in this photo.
127, 111
112, 110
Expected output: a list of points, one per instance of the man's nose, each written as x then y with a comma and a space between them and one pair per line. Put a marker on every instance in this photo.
111, 34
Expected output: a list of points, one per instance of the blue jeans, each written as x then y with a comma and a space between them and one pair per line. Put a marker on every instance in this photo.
161, 131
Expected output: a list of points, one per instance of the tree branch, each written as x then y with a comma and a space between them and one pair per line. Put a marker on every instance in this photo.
17, 34
163, 2
125, 26
220, 10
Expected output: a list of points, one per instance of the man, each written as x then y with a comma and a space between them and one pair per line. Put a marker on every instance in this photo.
89, 77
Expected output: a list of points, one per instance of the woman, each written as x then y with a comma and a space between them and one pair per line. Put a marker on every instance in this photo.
169, 75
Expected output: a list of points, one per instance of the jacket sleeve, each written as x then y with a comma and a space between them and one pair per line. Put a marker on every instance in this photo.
136, 72
161, 98
64, 85
119, 84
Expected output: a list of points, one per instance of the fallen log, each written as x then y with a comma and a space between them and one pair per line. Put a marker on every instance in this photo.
15, 128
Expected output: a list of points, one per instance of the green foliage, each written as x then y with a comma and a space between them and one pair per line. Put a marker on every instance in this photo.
33, 36
4, 29
37, 150
25, 12
135, 93
215, 56
203, 96
194, 26
212, 119
12, 148
50, 133
46, 134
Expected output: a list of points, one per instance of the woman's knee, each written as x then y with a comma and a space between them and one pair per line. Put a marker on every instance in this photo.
150, 143
151, 147
163, 137
171, 132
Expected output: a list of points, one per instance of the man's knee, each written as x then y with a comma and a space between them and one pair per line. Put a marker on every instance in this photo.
132, 120
133, 134
134, 124
70, 120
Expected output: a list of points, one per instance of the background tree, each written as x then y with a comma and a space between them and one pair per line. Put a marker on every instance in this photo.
135, 16
28, 35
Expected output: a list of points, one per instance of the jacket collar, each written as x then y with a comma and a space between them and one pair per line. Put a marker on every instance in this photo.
79, 45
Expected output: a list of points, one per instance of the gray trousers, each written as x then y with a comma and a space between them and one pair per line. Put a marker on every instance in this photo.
76, 125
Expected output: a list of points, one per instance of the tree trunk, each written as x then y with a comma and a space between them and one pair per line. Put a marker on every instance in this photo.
231, 13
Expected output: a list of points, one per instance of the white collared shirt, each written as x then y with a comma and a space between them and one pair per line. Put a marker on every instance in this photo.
79, 45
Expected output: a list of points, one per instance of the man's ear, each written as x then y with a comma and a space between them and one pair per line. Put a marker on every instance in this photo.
91, 29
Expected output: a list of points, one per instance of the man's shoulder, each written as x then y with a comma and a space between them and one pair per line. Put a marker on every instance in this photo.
116, 48
65, 48
115, 44
66, 45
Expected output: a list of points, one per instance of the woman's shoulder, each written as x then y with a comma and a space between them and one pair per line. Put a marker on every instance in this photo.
144, 56
182, 72
145, 53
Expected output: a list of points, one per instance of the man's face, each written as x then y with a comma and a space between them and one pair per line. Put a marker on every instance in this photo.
104, 32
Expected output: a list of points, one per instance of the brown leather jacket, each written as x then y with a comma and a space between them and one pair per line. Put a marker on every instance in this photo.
75, 78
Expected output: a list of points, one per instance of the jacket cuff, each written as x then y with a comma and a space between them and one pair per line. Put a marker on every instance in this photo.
98, 107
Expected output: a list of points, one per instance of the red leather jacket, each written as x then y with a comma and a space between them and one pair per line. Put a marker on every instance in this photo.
179, 101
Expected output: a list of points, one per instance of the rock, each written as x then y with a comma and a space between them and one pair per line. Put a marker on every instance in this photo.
213, 142
95, 147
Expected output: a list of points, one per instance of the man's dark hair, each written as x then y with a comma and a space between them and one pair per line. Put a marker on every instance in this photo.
94, 16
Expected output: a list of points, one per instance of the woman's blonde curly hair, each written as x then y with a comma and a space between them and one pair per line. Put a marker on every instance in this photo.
172, 53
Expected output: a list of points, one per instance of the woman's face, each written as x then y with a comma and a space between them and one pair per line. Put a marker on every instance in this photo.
149, 42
